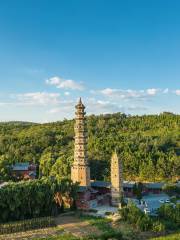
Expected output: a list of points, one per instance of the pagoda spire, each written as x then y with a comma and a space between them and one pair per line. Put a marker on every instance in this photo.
80, 100
80, 171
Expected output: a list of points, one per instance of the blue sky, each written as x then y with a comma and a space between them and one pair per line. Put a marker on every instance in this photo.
118, 55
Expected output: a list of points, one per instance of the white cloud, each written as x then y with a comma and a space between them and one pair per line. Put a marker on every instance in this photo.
65, 83
126, 94
95, 106
152, 91
67, 93
177, 92
119, 93
64, 107
54, 110
166, 90
42, 98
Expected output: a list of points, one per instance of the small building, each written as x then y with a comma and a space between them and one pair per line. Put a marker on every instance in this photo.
24, 171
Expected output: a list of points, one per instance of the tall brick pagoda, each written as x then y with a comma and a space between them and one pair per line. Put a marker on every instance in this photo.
116, 180
80, 171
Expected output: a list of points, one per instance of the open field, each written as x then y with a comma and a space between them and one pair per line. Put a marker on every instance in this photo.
66, 226
75, 227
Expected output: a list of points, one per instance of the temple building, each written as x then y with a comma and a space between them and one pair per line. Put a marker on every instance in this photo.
93, 193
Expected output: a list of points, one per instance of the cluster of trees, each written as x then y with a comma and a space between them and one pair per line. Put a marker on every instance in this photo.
170, 214
172, 189
168, 218
37, 198
148, 145
135, 216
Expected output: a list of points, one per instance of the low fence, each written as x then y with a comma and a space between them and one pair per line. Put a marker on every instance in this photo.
21, 226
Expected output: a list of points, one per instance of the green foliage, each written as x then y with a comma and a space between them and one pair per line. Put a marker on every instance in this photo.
171, 214
175, 236
148, 145
158, 227
144, 223
30, 199
137, 190
172, 189
168, 218
135, 216
104, 225
25, 225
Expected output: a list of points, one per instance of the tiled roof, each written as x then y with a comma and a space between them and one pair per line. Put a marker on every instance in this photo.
127, 184
157, 185
82, 189
100, 184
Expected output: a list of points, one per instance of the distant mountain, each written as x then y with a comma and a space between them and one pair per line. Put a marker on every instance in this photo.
17, 123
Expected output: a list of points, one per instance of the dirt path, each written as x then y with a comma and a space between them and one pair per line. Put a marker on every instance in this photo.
76, 226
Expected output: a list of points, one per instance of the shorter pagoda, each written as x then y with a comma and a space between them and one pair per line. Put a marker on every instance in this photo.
116, 180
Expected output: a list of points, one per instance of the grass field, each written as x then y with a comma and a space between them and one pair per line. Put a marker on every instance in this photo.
175, 236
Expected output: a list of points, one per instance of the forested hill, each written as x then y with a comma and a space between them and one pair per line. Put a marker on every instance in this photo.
149, 146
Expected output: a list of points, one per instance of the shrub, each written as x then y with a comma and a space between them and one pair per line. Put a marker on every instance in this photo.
144, 223
170, 213
158, 227
172, 189
124, 213
134, 214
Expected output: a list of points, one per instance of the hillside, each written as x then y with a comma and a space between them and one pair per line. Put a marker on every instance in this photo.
148, 145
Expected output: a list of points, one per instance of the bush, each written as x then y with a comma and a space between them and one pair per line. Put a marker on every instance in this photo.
144, 223
172, 189
169, 225
170, 213
134, 214
124, 213
158, 227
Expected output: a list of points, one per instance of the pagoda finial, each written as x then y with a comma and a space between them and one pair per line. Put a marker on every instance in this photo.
115, 152
80, 100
